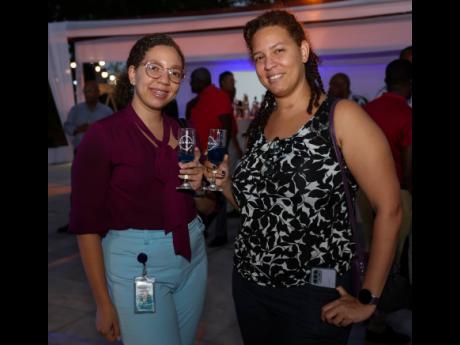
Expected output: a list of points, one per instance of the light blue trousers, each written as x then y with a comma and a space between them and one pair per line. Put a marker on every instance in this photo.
179, 288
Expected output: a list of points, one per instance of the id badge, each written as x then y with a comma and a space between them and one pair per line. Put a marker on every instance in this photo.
144, 295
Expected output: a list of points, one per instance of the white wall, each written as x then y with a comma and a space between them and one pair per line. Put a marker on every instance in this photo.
248, 83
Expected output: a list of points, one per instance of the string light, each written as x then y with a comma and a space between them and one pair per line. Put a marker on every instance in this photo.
104, 74
97, 68
73, 64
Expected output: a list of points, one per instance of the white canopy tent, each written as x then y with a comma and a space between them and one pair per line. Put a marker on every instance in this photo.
341, 32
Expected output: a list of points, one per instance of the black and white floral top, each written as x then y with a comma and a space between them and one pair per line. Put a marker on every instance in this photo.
293, 207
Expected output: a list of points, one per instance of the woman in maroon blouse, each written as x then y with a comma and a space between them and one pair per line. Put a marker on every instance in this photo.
137, 234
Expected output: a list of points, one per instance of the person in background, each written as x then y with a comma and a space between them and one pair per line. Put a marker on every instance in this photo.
188, 108
405, 54
171, 109
81, 117
227, 84
289, 191
212, 109
394, 116
339, 86
255, 107
130, 220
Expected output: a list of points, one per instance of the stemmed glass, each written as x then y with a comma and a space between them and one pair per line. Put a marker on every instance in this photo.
217, 141
187, 141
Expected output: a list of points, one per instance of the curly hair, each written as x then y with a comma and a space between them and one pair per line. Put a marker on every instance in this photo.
124, 89
287, 21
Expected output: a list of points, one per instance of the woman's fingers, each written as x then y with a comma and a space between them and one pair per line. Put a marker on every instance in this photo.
191, 171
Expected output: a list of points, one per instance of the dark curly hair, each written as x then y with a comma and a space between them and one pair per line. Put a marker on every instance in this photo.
294, 28
123, 92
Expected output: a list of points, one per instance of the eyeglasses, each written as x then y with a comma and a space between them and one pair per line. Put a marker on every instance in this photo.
155, 71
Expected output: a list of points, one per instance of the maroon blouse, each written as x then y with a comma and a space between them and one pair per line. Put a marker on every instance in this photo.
120, 180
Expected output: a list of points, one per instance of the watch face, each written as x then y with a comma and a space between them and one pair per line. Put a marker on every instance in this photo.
365, 296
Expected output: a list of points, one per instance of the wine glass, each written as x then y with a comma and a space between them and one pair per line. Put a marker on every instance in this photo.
217, 141
187, 141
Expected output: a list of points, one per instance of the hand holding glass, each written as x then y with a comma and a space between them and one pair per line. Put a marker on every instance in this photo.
216, 151
187, 140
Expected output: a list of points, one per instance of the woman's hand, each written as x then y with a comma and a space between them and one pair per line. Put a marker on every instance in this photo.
193, 170
222, 175
107, 322
346, 310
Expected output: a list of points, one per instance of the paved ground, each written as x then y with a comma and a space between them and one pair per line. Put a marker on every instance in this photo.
70, 306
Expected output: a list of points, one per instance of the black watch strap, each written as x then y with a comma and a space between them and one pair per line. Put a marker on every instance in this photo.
366, 297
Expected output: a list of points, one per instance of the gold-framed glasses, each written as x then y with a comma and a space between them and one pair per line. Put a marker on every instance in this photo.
155, 71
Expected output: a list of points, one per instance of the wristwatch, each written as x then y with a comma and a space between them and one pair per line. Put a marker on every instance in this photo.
366, 297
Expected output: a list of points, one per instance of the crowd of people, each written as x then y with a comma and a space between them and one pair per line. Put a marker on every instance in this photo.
142, 239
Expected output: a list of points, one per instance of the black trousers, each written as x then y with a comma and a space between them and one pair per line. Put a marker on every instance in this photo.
286, 316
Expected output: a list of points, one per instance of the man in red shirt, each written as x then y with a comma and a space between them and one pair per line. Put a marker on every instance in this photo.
394, 116
212, 109
227, 84
391, 112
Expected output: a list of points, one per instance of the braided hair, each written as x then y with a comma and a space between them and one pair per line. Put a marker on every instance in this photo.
124, 90
287, 21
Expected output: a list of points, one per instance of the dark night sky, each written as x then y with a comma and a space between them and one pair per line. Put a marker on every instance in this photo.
60, 10
63, 10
